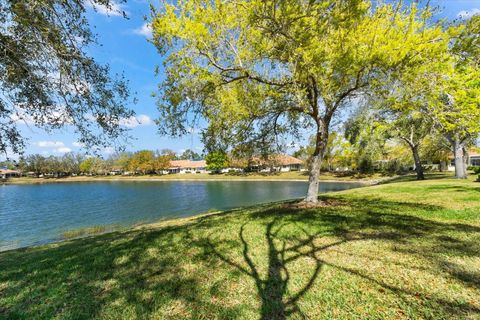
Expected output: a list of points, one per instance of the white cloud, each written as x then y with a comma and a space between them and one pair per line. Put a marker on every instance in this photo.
62, 150
77, 144
52, 147
141, 120
144, 119
108, 150
57, 115
50, 144
114, 9
22, 119
467, 14
8, 154
145, 30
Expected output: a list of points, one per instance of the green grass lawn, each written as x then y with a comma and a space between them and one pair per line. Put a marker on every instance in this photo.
405, 250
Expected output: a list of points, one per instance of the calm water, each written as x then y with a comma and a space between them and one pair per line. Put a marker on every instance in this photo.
35, 214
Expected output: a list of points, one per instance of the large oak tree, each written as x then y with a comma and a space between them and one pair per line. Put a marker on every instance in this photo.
263, 68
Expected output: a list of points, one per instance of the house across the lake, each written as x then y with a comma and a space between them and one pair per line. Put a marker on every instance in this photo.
278, 162
7, 173
282, 163
116, 170
473, 159
285, 163
187, 166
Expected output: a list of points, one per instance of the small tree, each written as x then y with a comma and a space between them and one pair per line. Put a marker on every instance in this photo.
71, 163
216, 161
162, 162
121, 160
86, 166
367, 142
189, 155
411, 128
94, 165
143, 161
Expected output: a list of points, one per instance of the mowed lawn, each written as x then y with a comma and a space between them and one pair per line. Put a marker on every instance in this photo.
406, 250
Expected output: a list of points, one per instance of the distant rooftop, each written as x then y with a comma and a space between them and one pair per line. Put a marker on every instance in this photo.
187, 164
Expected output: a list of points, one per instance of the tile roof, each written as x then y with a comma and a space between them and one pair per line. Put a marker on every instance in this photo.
188, 164
278, 159
5, 171
285, 159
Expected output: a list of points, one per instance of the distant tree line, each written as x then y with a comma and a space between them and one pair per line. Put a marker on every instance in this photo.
140, 162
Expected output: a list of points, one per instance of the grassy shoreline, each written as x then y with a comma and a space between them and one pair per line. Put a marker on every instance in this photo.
393, 251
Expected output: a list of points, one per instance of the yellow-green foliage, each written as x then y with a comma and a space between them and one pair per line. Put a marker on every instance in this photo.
264, 66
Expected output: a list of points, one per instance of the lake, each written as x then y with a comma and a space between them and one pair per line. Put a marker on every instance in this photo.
37, 214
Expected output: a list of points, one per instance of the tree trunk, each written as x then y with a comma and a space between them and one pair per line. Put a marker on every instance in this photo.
460, 170
314, 179
441, 166
465, 160
314, 174
418, 163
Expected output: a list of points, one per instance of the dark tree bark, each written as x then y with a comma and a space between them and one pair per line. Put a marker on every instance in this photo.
414, 146
418, 163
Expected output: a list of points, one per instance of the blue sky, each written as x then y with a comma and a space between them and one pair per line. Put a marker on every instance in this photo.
125, 47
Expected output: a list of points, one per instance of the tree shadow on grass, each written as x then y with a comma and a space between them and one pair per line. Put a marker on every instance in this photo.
125, 271
413, 177
169, 272
454, 188
278, 302
273, 287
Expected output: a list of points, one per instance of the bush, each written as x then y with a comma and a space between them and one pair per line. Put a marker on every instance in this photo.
478, 179
365, 166
475, 169
393, 166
